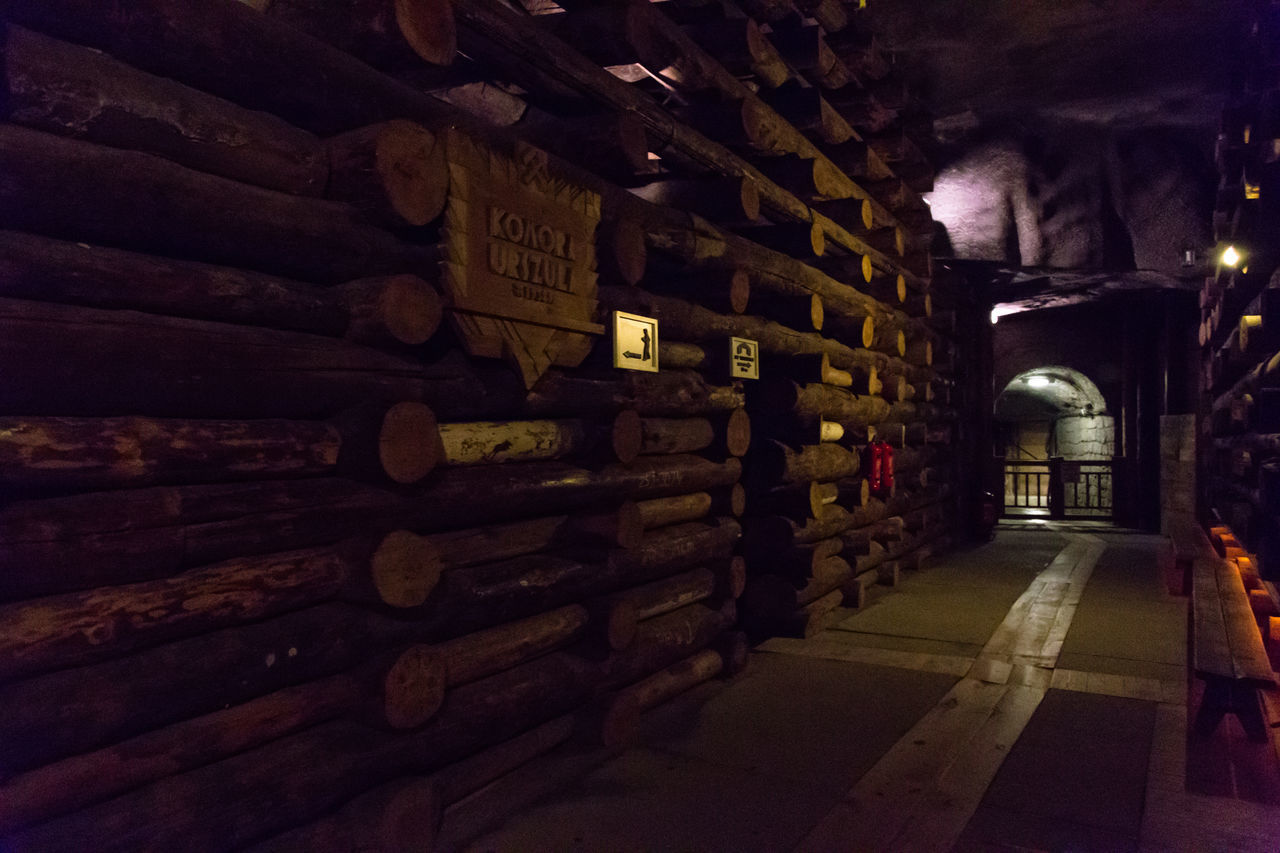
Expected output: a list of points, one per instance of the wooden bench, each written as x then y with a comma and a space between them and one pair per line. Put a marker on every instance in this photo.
1227, 648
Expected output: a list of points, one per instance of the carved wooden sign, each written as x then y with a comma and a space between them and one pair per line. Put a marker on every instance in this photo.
519, 257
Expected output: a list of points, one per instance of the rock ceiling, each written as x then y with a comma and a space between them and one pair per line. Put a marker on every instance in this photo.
1129, 63
1074, 134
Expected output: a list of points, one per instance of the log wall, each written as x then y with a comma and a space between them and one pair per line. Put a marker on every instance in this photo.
1239, 470
287, 559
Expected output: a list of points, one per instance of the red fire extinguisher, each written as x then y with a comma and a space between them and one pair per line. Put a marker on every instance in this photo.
880, 468
886, 471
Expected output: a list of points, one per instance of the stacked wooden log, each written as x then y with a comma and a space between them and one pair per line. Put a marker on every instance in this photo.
1264, 602
291, 560
1240, 312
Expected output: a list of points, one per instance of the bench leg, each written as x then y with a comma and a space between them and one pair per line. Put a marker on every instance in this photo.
1223, 696
1245, 704
1214, 705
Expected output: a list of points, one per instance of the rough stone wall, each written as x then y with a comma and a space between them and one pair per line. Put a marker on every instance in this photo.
1084, 437
1076, 196
1177, 470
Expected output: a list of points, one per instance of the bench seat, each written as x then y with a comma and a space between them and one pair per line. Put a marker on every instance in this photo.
1227, 648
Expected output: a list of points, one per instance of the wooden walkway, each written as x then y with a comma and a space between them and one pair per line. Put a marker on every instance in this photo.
758, 752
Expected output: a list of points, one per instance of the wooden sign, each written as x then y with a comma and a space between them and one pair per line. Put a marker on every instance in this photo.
635, 342
520, 257
744, 358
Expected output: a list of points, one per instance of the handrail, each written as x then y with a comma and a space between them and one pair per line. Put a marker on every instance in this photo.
1082, 488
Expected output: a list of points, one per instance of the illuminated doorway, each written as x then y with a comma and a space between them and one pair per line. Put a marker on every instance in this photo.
1056, 442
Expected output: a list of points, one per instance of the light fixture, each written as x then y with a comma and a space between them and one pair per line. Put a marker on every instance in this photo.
1230, 256
1003, 310
1038, 381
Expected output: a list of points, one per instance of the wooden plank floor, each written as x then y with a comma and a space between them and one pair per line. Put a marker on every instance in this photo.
820, 747
922, 793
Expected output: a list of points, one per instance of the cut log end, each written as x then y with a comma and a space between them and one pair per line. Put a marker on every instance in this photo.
408, 819
738, 433
630, 525
410, 309
405, 569
750, 200
411, 164
868, 271
632, 144
817, 240
739, 291
630, 255
900, 288
820, 495
414, 687
828, 181
901, 343
628, 435
615, 528
428, 26
829, 375
868, 331
409, 445
619, 721
620, 624
816, 313
735, 652
875, 385
737, 500
735, 577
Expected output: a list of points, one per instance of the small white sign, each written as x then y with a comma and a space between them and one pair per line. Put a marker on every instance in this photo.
744, 359
635, 342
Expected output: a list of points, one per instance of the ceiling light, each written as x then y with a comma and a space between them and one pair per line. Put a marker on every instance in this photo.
1230, 256
1038, 381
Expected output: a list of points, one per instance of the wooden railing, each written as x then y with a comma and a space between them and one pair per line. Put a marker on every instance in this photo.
1026, 488
1059, 488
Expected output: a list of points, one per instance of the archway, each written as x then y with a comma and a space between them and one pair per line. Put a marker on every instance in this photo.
1058, 443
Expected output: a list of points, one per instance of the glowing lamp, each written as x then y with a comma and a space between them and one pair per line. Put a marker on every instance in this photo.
1230, 256
1038, 381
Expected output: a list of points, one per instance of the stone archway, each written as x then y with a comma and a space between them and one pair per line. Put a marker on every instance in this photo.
1068, 404
1053, 422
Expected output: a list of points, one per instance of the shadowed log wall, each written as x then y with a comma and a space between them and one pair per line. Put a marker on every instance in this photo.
287, 556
